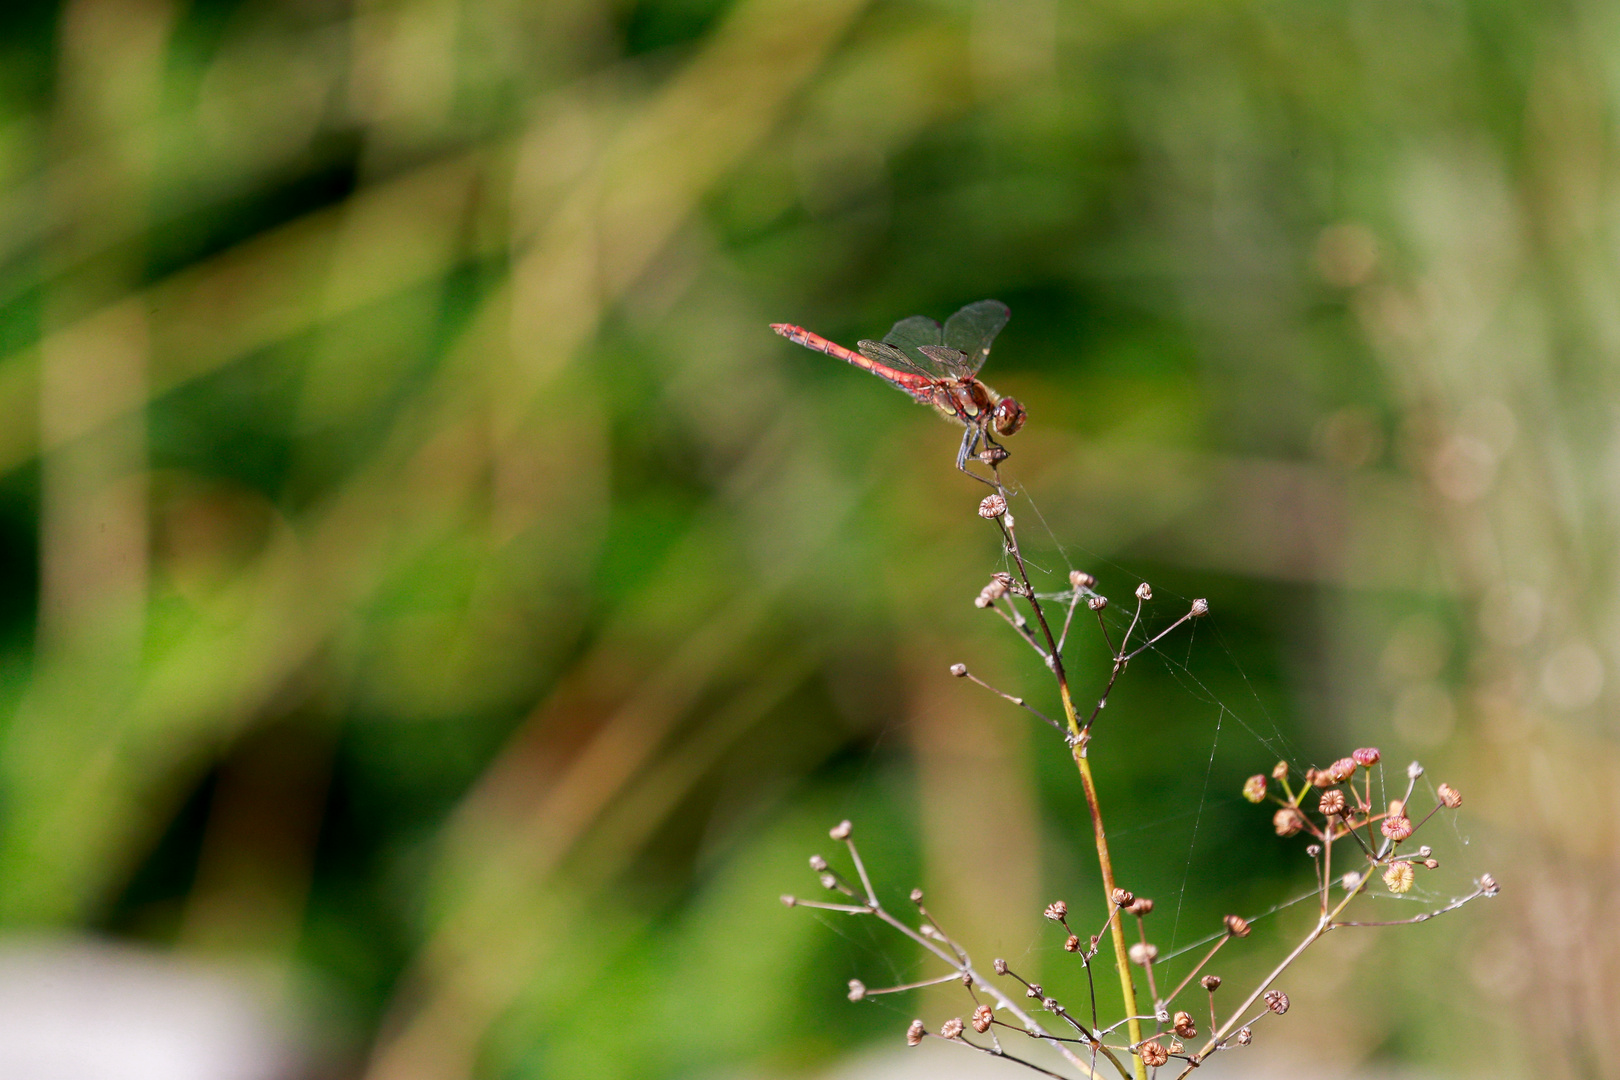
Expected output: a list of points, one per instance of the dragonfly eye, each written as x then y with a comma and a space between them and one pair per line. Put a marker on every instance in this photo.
1008, 417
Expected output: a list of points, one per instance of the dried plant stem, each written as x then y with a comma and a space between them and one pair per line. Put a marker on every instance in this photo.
1077, 742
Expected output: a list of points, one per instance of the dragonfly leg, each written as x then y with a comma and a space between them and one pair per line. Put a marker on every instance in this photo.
970, 441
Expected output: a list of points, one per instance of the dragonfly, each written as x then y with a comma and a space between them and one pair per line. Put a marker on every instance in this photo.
939, 366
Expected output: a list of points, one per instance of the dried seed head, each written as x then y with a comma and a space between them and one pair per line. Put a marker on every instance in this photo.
1414, 770
1450, 796
1141, 906
1254, 788
1144, 953
1277, 1001
1287, 821
992, 506
1176, 1046
1097, 603
1200, 608
1318, 778
841, 830
857, 989
1121, 897
1051, 1005
1081, 580
959, 670
1034, 990
1398, 877
1332, 803
1342, 770
951, 1029
1184, 1026
1243, 1037
818, 864
1154, 1054
828, 881
915, 1033
1366, 757
1057, 910
1397, 808
1313, 850
1425, 851
1351, 881
967, 978
1279, 771
981, 1019
1431, 864
1072, 943
1397, 828
999, 966
994, 591
1237, 926
1488, 886
1211, 983
1144, 591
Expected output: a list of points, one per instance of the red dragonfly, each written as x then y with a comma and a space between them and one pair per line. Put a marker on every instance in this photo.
937, 366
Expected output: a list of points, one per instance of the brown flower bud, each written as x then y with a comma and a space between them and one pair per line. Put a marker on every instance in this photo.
967, 978
1184, 1026
857, 989
1096, 603
1176, 1046
1366, 757
1144, 591
981, 1019
1254, 788
1332, 804
1397, 828
999, 966
992, 506
1057, 910
1277, 1001
1450, 796
1237, 926
1488, 886
1397, 808
1051, 1005
1211, 983
1313, 850
1243, 1037
1081, 580
1200, 608
1318, 778
1143, 953
1342, 770
841, 830
1154, 1054
1072, 943
1279, 771
1140, 906
1398, 877
1034, 990
1287, 821
959, 670
1121, 897
951, 1029
1431, 864
915, 1033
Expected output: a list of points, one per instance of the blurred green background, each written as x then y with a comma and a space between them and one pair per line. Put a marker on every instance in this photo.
438, 606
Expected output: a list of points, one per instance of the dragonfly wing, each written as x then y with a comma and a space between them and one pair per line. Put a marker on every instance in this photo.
972, 330
954, 361
908, 335
885, 353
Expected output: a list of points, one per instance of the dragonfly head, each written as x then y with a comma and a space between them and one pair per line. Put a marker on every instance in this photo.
1008, 416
